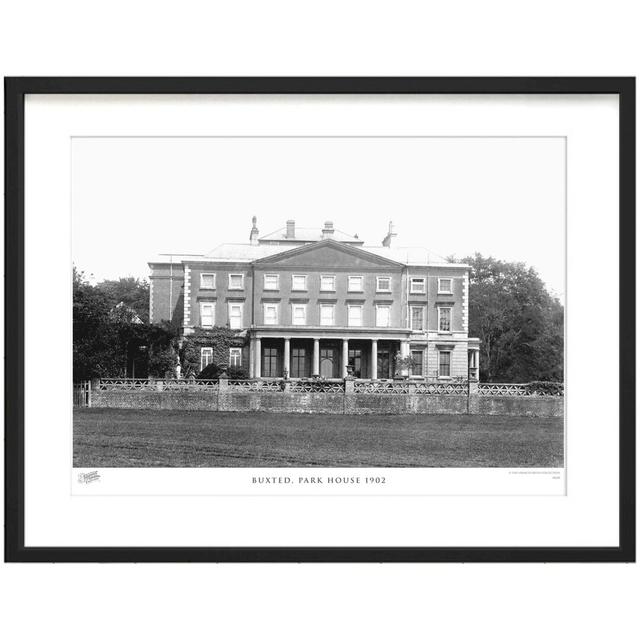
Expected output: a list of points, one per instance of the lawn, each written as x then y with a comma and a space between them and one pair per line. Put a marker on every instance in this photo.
144, 438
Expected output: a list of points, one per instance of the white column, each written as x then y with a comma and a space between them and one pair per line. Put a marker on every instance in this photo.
252, 358
287, 356
316, 357
404, 352
374, 359
258, 358
345, 357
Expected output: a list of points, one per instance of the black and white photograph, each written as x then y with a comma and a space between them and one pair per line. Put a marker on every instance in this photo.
318, 301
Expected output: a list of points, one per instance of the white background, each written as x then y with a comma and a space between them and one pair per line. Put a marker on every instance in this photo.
329, 38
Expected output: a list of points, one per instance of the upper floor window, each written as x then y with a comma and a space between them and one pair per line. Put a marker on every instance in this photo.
207, 314
235, 357
271, 281
235, 315
383, 315
444, 319
298, 283
418, 285
236, 281
355, 315
383, 283
417, 318
355, 283
445, 285
207, 280
299, 314
327, 283
327, 315
206, 357
271, 313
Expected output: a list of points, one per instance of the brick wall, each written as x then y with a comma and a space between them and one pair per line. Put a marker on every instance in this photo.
339, 403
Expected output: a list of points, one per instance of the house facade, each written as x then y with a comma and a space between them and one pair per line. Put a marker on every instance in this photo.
319, 302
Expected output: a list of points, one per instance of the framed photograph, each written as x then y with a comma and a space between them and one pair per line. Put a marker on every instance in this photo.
320, 319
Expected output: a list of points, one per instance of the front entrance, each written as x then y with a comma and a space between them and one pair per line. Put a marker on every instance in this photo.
385, 364
329, 362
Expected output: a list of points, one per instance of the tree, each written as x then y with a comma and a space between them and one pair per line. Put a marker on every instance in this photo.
131, 292
520, 325
108, 344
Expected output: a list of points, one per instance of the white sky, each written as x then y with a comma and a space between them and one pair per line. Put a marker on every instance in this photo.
133, 198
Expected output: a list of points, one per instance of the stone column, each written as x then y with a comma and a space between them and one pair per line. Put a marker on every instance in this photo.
316, 357
374, 359
257, 358
287, 356
252, 359
345, 357
404, 352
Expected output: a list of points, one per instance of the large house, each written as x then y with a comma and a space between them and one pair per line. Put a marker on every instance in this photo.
319, 302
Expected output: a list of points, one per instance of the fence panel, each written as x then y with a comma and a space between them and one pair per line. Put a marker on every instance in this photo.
81, 394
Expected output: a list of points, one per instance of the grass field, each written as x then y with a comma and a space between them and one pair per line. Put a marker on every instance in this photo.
132, 438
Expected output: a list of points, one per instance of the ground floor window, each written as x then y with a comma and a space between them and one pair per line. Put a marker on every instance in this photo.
416, 362
444, 364
299, 362
235, 357
270, 362
206, 357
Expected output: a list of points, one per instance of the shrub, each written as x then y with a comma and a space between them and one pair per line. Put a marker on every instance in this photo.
545, 388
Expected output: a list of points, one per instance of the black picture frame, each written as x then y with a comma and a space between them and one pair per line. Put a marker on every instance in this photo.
15, 91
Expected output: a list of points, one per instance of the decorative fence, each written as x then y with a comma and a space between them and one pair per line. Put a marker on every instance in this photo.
324, 396
358, 386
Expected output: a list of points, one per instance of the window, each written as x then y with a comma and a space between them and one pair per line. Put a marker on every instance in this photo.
417, 318
327, 283
271, 281
236, 281
270, 362
418, 285
416, 365
355, 283
383, 283
235, 357
445, 285
299, 368
206, 357
355, 315
207, 280
271, 313
207, 314
235, 315
383, 315
444, 364
327, 315
444, 319
298, 283
299, 314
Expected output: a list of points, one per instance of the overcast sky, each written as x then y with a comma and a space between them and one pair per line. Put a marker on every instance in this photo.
133, 198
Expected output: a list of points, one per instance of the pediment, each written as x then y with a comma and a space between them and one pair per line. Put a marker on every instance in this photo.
328, 253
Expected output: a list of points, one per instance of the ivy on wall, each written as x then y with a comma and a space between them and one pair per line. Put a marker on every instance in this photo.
220, 339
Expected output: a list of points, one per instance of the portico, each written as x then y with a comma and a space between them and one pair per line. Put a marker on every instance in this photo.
297, 354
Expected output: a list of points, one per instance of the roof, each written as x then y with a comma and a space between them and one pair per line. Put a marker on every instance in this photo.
308, 234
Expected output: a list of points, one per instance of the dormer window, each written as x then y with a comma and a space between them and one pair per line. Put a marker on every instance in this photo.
445, 285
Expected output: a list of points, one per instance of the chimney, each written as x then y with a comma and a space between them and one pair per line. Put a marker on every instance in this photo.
291, 229
327, 230
253, 236
390, 234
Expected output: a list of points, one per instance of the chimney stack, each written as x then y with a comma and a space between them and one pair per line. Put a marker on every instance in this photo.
253, 236
390, 234
327, 230
291, 229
